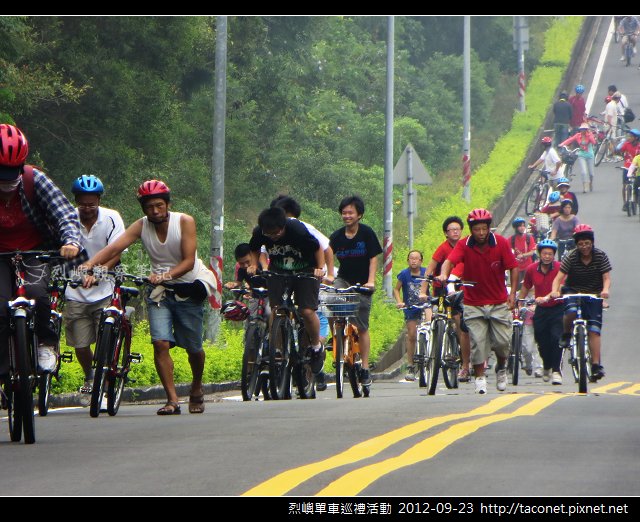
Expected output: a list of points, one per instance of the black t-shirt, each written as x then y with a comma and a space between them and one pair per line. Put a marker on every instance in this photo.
293, 252
562, 112
354, 254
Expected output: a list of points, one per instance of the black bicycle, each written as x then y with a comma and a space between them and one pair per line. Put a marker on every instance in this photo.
289, 345
112, 358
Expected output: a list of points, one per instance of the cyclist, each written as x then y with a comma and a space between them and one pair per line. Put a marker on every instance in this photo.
579, 110
292, 210
630, 148
550, 160
523, 245
452, 228
585, 140
587, 270
486, 256
356, 246
547, 319
34, 214
182, 283
292, 248
410, 296
631, 173
242, 254
552, 208
563, 227
99, 227
563, 186
629, 28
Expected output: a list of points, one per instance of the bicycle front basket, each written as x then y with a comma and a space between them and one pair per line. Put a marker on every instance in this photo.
569, 158
339, 305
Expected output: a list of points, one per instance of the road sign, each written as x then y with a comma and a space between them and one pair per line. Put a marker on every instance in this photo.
418, 170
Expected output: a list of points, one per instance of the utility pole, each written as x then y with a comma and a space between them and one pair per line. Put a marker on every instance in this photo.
387, 244
466, 112
521, 44
217, 185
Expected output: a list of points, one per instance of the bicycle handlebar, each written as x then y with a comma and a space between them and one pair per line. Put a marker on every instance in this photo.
364, 290
455, 282
589, 296
295, 275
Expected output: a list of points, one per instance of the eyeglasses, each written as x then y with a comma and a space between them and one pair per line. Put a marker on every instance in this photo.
273, 234
454, 230
88, 207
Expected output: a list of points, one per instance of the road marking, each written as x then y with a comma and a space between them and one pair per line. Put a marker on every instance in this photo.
287, 480
599, 67
611, 386
355, 481
631, 390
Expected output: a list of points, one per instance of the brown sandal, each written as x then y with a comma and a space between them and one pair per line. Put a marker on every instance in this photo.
171, 408
196, 403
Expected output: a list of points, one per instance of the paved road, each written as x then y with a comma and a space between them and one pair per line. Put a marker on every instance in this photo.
538, 439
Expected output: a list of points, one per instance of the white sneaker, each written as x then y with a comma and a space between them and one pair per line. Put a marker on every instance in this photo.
556, 378
622, 58
537, 373
46, 358
546, 375
501, 380
481, 385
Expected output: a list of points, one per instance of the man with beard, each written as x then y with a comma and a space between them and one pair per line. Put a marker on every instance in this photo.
182, 283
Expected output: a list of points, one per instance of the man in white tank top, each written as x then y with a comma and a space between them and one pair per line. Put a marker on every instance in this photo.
183, 282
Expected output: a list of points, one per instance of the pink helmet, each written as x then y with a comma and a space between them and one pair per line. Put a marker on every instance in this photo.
234, 311
583, 231
14, 147
546, 140
154, 188
479, 215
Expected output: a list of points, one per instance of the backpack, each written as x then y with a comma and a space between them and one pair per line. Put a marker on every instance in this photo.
28, 183
527, 238
628, 116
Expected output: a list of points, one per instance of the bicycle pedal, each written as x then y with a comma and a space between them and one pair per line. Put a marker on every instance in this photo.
135, 358
66, 357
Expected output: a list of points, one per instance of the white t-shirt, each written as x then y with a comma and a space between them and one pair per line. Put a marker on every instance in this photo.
550, 159
105, 231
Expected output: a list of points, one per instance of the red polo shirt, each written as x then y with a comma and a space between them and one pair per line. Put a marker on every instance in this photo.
486, 267
541, 283
440, 255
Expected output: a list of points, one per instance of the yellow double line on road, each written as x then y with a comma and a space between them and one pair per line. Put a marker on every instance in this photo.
354, 482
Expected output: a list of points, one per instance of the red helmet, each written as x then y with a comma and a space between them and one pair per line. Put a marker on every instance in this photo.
14, 147
235, 311
479, 215
153, 188
546, 140
583, 231
608, 99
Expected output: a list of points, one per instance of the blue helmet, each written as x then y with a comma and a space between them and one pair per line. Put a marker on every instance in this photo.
517, 222
563, 181
547, 243
579, 88
87, 185
554, 197
634, 132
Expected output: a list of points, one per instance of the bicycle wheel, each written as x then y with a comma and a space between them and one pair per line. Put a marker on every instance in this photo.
532, 202
601, 152
44, 393
352, 364
338, 352
121, 362
104, 349
450, 359
23, 391
437, 340
279, 354
628, 53
423, 368
250, 362
581, 340
14, 412
516, 352
628, 198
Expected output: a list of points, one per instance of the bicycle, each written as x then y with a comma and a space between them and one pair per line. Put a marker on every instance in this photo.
628, 47
289, 345
340, 305
580, 358
537, 195
23, 376
56, 289
444, 348
569, 157
255, 359
515, 354
420, 356
113, 357
606, 148
630, 196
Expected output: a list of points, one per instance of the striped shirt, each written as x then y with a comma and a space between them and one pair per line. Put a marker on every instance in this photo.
585, 278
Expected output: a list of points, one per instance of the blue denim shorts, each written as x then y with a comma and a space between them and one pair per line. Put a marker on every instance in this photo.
591, 311
324, 324
179, 322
